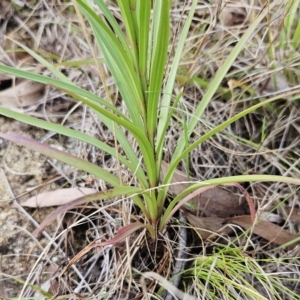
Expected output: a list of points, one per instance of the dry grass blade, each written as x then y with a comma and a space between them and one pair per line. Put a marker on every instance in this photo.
123, 233
167, 285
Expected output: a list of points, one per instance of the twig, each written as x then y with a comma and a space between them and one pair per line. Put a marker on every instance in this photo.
179, 262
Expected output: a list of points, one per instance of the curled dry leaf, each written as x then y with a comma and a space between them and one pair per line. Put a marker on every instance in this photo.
57, 198
24, 93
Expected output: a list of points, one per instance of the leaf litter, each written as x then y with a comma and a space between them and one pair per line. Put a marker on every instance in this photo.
215, 209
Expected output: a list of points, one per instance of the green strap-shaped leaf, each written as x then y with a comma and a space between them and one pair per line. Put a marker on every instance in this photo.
143, 23
160, 43
120, 66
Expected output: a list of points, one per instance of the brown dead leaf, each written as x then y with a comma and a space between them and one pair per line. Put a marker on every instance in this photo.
233, 14
20, 59
24, 93
215, 202
5, 9
57, 198
218, 203
275, 83
208, 226
180, 180
293, 214
267, 230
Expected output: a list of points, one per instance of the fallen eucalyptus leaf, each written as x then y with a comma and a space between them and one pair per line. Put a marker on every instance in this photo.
180, 181
219, 203
57, 198
80, 201
267, 230
293, 214
215, 202
24, 93
233, 14
208, 226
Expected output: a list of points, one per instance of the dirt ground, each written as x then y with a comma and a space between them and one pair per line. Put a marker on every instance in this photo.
21, 172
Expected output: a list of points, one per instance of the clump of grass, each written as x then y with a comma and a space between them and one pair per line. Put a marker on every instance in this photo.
231, 273
151, 117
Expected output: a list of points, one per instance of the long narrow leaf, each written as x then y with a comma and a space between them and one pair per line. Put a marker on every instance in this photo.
119, 65
142, 140
220, 75
208, 96
67, 87
172, 167
93, 101
220, 181
128, 11
62, 156
160, 41
164, 116
45, 63
67, 132
114, 24
143, 19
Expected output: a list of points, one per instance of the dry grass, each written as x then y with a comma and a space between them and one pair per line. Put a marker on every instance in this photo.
264, 142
